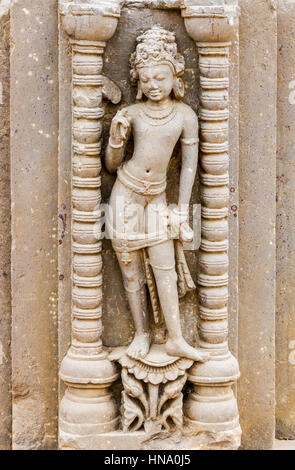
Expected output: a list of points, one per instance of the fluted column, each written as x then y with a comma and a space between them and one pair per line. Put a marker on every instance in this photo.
211, 409
87, 408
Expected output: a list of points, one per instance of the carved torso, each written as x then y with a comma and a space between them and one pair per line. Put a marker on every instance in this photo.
154, 140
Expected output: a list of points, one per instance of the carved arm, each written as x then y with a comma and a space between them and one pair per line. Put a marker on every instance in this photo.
119, 134
189, 147
188, 171
114, 155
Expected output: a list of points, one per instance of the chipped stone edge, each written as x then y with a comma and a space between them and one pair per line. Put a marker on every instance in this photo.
154, 4
174, 4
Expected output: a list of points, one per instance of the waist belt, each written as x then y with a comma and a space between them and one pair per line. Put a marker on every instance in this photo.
139, 186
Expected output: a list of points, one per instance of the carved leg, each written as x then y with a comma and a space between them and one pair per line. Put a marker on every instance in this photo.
133, 278
162, 260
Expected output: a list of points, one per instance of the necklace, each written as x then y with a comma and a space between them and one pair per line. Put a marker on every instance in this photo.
158, 117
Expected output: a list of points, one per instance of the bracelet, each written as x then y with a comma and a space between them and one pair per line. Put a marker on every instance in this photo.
189, 141
116, 146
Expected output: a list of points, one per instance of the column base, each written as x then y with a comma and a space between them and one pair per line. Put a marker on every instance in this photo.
216, 436
87, 407
211, 414
210, 409
83, 368
87, 412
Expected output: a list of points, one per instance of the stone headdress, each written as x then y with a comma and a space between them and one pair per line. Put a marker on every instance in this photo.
157, 46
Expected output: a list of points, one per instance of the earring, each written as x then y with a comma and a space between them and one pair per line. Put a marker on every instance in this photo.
178, 88
139, 92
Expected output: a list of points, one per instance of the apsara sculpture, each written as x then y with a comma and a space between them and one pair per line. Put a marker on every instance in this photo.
146, 233
148, 238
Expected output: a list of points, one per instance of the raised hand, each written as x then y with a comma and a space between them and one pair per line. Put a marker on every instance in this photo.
120, 127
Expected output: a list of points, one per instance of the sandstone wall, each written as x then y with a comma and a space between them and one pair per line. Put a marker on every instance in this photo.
5, 239
34, 150
257, 183
285, 318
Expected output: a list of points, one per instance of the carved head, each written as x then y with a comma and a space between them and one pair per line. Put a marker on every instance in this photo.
156, 66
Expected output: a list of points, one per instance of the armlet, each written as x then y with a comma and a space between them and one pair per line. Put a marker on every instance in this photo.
192, 141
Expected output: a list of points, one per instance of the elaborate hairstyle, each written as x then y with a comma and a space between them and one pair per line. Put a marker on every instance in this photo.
157, 46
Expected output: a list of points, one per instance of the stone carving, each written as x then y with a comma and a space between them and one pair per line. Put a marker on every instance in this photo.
141, 225
152, 396
212, 29
87, 407
147, 235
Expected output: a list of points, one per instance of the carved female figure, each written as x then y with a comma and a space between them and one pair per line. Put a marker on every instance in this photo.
142, 228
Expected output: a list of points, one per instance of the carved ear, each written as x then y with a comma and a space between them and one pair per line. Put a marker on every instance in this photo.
178, 88
139, 92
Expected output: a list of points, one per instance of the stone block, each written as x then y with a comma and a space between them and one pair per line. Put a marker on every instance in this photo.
285, 306
5, 241
257, 251
34, 150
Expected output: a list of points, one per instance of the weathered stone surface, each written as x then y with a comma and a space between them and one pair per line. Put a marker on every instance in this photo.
5, 305
256, 390
284, 445
34, 142
233, 206
39, 197
165, 4
131, 25
285, 317
215, 378
87, 406
153, 3
117, 68
64, 200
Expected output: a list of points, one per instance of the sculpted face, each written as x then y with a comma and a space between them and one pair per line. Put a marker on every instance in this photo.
156, 81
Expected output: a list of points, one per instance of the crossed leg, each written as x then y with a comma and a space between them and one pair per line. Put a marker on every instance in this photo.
162, 259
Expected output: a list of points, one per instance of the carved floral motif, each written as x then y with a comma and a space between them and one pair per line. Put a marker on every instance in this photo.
152, 395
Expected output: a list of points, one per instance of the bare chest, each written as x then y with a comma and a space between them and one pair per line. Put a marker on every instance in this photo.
157, 132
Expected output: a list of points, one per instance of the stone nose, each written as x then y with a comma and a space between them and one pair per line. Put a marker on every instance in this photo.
153, 85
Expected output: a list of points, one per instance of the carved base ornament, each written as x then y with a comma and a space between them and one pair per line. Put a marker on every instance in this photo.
152, 395
168, 387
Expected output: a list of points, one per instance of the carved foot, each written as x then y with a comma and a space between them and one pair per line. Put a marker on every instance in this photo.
140, 346
180, 348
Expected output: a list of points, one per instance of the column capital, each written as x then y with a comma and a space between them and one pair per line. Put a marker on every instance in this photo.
94, 20
210, 23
